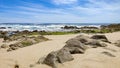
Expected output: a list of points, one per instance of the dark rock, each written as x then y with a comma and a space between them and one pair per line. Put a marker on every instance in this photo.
2, 27
35, 31
9, 27
100, 37
89, 28
25, 31
70, 27
16, 66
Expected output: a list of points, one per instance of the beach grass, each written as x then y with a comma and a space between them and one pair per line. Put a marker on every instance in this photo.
60, 33
26, 43
52, 33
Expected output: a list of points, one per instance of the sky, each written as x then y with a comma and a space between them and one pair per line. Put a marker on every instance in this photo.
60, 11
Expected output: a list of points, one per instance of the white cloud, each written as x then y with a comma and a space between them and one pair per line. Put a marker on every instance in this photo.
58, 2
42, 10
93, 12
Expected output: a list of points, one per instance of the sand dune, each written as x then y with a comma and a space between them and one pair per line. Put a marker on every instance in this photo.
93, 57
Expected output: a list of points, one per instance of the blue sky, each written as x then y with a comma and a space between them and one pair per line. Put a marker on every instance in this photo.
60, 11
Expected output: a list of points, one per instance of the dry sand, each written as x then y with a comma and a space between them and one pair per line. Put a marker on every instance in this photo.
93, 57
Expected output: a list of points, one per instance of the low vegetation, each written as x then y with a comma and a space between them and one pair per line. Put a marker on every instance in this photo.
86, 29
111, 27
24, 42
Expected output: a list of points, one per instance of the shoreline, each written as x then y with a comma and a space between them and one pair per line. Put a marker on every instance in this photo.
44, 26
60, 28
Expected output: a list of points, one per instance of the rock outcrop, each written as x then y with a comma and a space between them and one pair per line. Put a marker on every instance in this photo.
64, 55
70, 27
76, 45
24, 41
100, 37
4, 46
60, 56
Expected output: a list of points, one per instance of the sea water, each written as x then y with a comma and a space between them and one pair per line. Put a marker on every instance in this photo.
43, 26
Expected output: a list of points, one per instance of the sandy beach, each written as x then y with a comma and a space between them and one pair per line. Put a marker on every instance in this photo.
93, 58
59, 33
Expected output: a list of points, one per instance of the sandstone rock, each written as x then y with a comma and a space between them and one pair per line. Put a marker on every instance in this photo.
4, 46
13, 45
73, 46
100, 37
51, 59
75, 43
9, 49
14, 48
60, 56
102, 44
96, 43
82, 38
64, 55
75, 50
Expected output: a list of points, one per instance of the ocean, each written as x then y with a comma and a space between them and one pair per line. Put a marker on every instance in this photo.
43, 26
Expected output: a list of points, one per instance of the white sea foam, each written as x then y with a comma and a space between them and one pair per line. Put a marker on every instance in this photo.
50, 27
